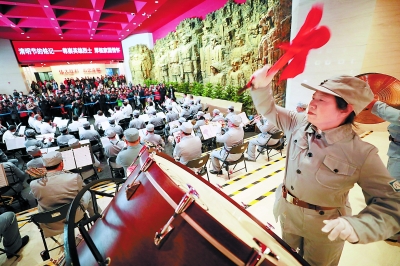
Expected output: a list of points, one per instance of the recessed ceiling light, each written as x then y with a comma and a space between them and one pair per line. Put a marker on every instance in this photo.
92, 29
62, 37
119, 38
22, 32
156, 2
97, 10
122, 35
134, 23
91, 38
132, 14
68, 63
144, 14
27, 37
46, 6
56, 27
127, 30
12, 25
42, 63
59, 34
95, 21
52, 18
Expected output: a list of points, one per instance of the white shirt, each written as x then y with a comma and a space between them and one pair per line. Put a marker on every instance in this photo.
74, 126
31, 122
127, 110
99, 120
8, 135
46, 128
37, 124
118, 115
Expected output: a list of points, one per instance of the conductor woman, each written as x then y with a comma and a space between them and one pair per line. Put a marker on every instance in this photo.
325, 158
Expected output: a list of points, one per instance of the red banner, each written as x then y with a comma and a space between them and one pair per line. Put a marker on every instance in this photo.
39, 52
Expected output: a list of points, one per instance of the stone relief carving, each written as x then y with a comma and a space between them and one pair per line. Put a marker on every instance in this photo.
225, 47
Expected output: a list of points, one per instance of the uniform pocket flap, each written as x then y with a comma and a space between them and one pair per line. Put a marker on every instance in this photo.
338, 166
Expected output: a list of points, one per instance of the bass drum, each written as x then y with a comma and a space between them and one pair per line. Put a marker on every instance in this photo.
212, 230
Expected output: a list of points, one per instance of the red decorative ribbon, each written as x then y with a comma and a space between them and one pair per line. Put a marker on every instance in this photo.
310, 36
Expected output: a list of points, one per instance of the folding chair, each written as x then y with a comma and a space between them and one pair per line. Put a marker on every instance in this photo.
278, 146
43, 220
117, 171
200, 164
239, 149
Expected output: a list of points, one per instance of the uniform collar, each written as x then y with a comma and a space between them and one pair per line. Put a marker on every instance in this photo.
332, 135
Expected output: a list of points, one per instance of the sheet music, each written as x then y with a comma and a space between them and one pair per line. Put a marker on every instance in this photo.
210, 130
83, 156
82, 119
105, 125
68, 160
21, 131
3, 177
144, 117
40, 137
62, 123
142, 133
177, 133
245, 120
15, 143
161, 114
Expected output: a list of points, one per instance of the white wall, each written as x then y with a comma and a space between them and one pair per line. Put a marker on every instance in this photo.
350, 24
11, 77
143, 38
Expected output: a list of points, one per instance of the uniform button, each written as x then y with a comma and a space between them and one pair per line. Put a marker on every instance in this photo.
295, 141
335, 170
292, 187
321, 212
298, 171
318, 136
309, 154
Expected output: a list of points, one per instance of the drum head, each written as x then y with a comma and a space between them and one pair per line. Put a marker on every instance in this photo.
388, 90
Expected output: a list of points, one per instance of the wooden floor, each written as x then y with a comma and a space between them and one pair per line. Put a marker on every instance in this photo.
255, 189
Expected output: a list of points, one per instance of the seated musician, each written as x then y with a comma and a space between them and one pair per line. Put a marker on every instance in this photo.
188, 147
88, 133
234, 136
137, 122
185, 111
231, 111
37, 161
32, 141
99, 119
48, 126
57, 188
156, 139
266, 129
175, 129
75, 125
171, 115
217, 116
133, 146
115, 127
154, 119
113, 148
65, 136
201, 121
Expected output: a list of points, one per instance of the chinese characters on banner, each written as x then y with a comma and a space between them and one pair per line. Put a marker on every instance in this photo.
76, 71
41, 51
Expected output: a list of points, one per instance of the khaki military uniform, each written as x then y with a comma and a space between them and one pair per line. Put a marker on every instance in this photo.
321, 168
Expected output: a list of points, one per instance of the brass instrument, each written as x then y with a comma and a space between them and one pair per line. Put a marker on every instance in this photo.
387, 88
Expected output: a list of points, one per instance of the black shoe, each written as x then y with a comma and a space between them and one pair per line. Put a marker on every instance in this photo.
216, 172
25, 240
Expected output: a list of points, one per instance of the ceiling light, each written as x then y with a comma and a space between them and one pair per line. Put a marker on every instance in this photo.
59, 34
127, 30
12, 25
132, 14
144, 14
27, 37
93, 29
91, 34
22, 32
95, 21
52, 18
122, 35
91, 38
156, 2
119, 38
62, 37
46, 6
134, 23
42, 63
56, 27
97, 10
68, 63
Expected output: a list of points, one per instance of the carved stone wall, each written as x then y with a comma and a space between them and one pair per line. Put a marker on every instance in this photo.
226, 47
141, 63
